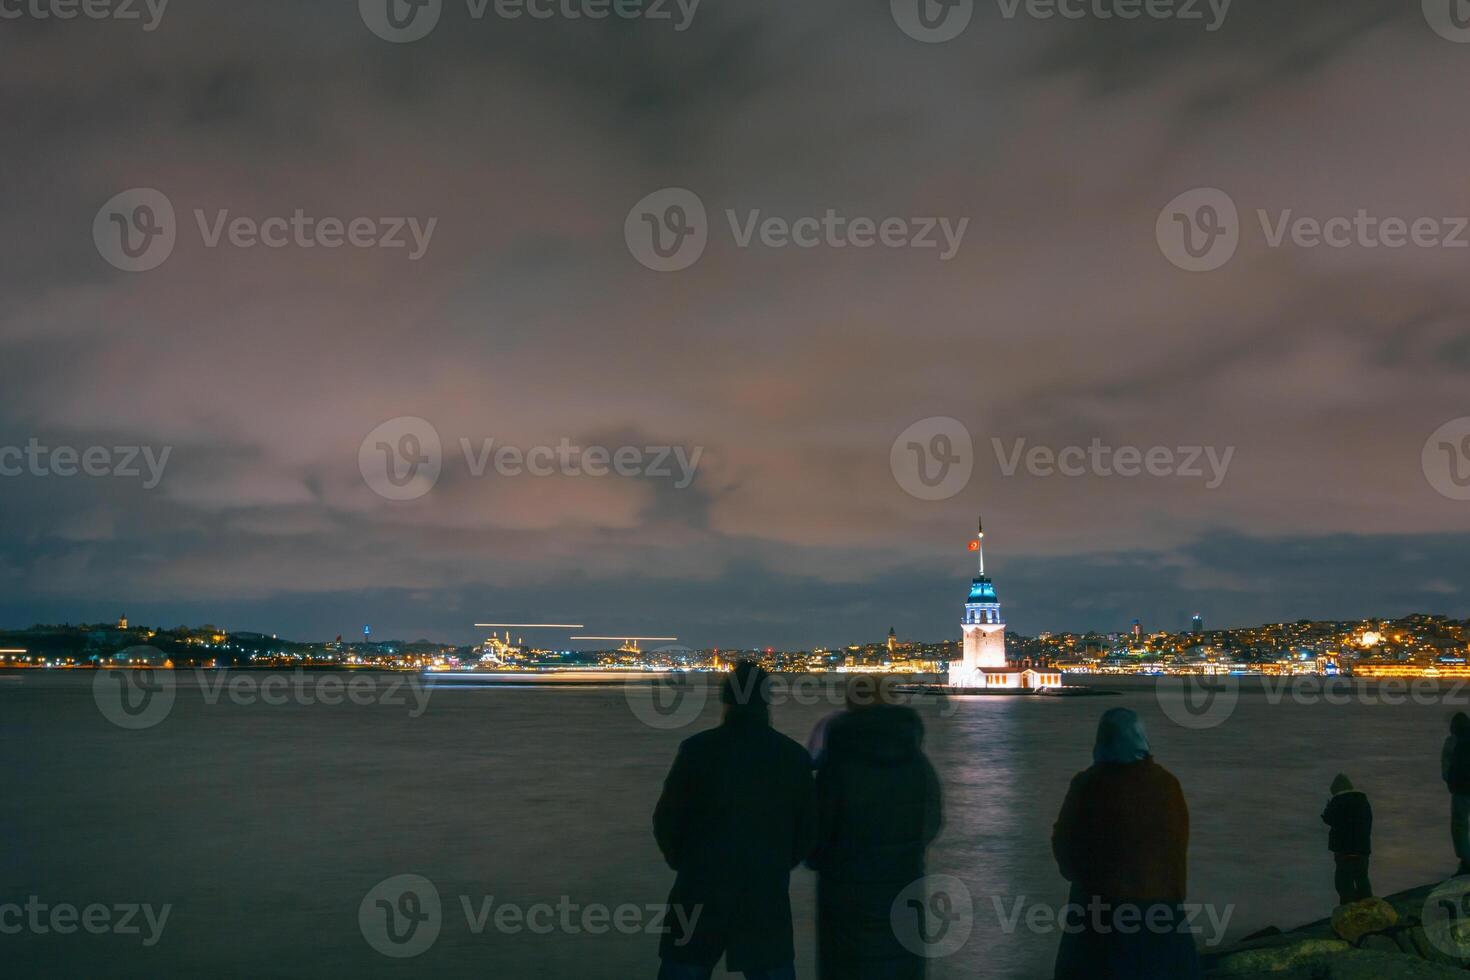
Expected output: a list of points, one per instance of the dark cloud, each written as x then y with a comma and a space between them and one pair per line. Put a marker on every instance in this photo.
528, 321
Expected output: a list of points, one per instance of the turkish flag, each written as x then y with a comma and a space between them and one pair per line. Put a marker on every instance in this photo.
974, 545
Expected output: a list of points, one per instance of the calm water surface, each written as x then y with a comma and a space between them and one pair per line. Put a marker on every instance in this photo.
265, 826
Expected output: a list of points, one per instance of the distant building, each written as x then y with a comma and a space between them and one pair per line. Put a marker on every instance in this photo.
983, 662
1137, 629
122, 621
1197, 624
892, 640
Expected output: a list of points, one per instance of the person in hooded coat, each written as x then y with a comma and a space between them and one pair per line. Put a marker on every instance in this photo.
1454, 767
1350, 840
738, 812
1122, 840
879, 807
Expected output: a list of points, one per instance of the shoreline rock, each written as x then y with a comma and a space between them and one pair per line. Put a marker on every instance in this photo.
1377, 939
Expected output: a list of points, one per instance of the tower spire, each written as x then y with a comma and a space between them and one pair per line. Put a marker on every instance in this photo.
980, 542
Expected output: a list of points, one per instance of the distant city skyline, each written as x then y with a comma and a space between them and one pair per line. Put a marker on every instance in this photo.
1293, 395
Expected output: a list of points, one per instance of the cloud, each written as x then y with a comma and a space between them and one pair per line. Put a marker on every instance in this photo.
527, 321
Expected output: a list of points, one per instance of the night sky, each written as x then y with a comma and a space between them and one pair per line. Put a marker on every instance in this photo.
527, 319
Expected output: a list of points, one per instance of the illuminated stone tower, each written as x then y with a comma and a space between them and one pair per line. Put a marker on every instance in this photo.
984, 630
982, 666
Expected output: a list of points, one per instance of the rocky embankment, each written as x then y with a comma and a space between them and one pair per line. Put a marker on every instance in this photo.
1420, 934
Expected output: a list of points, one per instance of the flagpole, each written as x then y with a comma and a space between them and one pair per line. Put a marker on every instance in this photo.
980, 542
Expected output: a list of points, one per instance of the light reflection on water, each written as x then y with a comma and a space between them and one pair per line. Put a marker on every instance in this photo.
265, 825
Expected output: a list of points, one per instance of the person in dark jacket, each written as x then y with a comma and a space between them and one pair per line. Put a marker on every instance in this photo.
1122, 840
1350, 839
1454, 767
879, 807
738, 812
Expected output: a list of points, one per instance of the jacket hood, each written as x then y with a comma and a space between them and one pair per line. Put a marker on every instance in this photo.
883, 735
1120, 737
1341, 784
1460, 724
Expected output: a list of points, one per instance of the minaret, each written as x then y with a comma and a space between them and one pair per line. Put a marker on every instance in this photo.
984, 630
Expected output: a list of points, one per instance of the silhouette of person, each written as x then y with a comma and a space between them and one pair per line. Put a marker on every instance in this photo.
879, 807
1122, 840
1454, 767
738, 812
859, 690
1350, 840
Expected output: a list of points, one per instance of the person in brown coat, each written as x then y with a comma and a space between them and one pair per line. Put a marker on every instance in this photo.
1122, 840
